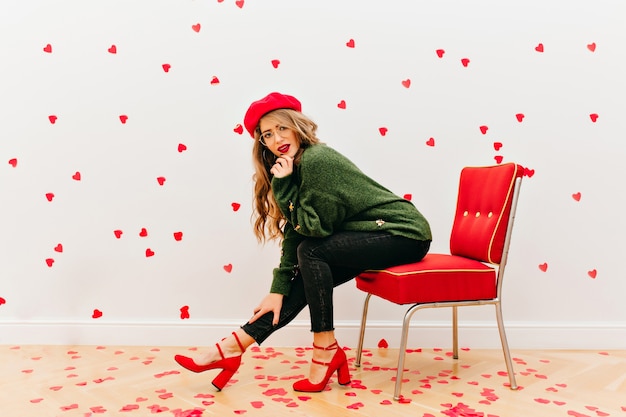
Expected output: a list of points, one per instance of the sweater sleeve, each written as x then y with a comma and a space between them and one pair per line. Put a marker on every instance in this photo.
284, 273
309, 198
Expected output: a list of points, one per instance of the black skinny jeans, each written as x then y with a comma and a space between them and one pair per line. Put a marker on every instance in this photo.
331, 261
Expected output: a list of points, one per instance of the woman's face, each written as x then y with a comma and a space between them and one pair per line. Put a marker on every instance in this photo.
279, 139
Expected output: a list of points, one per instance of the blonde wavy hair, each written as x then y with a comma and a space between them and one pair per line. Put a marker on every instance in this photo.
268, 220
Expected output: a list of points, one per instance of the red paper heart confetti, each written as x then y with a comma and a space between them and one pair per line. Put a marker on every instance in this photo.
52, 118
47, 48
149, 253
196, 28
440, 53
382, 343
162, 374
408, 197
350, 43
166, 67
101, 380
275, 391
161, 180
36, 400
215, 80
178, 236
49, 196
430, 142
76, 176
228, 268
123, 118
49, 262
184, 312
576, 414
235, 206
257, 404
118, 233
98, 409
592, 274
383, 131
112, 49
497, 146
484, 129
130, 407
155, 409
576, 196
465, 62
520, 117
182, 147
543, 267
406, 83
529, 172
2, 301
239, 3
69, 407
58, 248
592, 46
498, 159
238, 129
539, 47
13, 162
594, 117
275, 63
342, 104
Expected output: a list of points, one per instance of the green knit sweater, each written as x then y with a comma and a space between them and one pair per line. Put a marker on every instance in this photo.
327, 193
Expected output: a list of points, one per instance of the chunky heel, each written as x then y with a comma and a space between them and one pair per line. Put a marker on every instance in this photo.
343, 374
222, 378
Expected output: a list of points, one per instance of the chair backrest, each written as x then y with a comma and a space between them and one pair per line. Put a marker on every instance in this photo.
484, 202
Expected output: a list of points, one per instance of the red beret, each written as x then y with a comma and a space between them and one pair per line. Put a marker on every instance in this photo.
271, 102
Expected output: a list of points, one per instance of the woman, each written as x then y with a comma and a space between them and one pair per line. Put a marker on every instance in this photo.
334, 222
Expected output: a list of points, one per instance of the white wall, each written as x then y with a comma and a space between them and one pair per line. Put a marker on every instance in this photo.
87, 88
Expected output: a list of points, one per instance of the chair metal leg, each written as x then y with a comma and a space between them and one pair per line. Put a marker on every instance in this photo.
359, 350
455, 333
505, 347
402, 352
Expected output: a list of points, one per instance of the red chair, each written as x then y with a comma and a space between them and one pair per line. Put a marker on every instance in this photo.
473, 271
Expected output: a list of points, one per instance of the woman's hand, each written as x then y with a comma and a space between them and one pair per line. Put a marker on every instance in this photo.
271, 303
283, 166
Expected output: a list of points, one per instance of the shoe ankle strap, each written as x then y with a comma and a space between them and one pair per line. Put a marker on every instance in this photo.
243, 349
334, 346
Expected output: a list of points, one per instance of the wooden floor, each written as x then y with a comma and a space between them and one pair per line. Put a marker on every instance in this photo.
46, 381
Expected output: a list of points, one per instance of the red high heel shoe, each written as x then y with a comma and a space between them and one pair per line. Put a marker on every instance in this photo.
228, 365
338, 363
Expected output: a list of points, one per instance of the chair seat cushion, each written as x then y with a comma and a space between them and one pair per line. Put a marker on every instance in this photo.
436, 278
